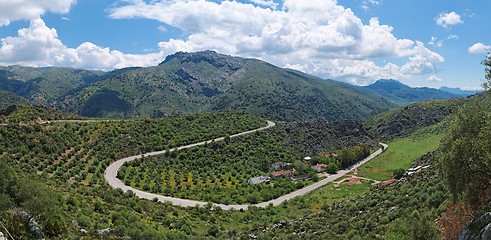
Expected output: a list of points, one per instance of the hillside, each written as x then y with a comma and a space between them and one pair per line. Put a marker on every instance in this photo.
45, 85
31, 114
207, 81
406, 120
402, 94
73, 171
460, 92
8, 99
438, 114
221, 170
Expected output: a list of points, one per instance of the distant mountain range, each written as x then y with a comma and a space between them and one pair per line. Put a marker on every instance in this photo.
460, 92
206, 81
402, 94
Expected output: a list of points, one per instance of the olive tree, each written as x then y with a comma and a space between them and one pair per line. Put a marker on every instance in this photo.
487, 64
466, 158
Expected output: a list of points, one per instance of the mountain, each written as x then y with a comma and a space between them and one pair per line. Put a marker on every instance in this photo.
406, 120
460, 92
208, 82
31, 114
8, 99
46, 85
439, 114
402, 94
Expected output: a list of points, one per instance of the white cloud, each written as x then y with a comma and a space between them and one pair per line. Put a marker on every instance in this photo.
448, 19
472, 88
11, 10
39, 45
266, 3
434, 78
319, 37
162, 28
479, 48
453, 36
366, 4
435, 43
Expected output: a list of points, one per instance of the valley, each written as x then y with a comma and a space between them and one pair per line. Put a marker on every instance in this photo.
184, 150
111, 174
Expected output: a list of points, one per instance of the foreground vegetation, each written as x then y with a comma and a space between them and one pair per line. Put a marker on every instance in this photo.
86, 205
52, 181
377, 214
400, 155
219, 172
76, 163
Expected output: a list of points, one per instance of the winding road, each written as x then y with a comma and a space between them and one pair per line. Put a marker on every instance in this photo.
112, 171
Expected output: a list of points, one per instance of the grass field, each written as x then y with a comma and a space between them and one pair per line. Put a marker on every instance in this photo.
400, 154
331, 194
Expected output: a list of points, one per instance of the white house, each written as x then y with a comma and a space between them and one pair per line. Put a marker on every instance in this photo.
260, 179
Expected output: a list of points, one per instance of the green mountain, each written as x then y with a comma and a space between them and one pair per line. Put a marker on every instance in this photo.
45, 85
460, 92
8, 99
402, 94
406, 120
31, 114
207, 81
437, 114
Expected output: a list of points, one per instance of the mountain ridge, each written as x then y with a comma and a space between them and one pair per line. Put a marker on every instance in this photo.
459, 91
402, 94
208, 81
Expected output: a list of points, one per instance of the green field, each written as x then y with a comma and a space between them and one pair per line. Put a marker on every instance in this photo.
332, 194
400, 154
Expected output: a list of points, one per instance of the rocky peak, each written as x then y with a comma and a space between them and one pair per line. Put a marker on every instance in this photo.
211, 57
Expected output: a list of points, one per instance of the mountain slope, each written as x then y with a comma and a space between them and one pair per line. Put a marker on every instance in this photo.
207, 81
45, 85
401, 94
8, 99
406, 120
31, 114
460, 92
438, 114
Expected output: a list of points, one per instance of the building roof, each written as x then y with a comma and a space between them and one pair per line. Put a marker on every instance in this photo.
260, 179
389, 182
321, 165
281, 173
279, 164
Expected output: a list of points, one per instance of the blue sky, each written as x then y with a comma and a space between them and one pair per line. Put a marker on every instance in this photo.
419, 42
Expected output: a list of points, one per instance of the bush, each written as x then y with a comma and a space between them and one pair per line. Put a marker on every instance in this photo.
398, 173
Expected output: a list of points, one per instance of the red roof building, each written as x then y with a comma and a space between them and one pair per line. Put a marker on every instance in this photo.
389, 182
286, 173
319, 167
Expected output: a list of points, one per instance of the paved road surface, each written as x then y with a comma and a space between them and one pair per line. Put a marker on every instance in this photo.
111, 177
111, 173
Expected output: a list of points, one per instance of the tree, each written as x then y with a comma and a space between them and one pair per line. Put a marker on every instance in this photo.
466, 158
398, 173
487, 63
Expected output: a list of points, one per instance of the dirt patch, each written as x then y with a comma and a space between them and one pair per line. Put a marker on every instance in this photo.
353, 180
